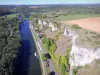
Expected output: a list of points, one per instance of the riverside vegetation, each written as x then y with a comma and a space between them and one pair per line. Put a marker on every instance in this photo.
61, 62
9, 43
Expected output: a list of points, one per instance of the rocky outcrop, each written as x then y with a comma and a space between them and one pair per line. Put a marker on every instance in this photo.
45, 23
52, 27
40, 22
49, 24
80, 56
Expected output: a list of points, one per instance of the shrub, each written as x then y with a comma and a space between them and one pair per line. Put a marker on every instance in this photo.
52, 48
68, 52
75, 71
86, 66
44, 58
56, 38
76, 27
79, 67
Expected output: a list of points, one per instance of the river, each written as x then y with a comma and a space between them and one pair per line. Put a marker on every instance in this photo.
26, 62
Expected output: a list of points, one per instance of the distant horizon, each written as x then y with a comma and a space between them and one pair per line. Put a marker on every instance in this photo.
53, 4
47, 2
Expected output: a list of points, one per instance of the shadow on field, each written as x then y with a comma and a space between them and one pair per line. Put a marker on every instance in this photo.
48, 56
52, 73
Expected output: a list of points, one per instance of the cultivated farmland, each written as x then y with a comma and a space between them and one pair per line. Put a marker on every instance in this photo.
75, 17
88, 23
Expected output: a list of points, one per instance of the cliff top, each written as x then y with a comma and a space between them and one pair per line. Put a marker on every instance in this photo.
86, 38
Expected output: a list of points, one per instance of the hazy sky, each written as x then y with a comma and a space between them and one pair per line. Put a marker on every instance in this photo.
48, 1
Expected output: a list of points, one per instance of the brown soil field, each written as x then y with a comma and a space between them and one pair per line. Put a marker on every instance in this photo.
88, 23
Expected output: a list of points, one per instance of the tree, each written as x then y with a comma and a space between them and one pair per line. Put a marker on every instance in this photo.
9, 45
43, 39
52, 48
63, 60
47, 44
51, 41
31, 17
36, 21
74, 71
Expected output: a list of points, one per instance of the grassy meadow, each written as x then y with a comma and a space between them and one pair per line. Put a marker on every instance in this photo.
10, 16
76, 16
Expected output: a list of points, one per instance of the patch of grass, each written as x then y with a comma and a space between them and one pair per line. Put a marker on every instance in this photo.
47, 70
86, 66
34, 36
10, 16
76, 27
57, 36
79, 67
97, 42
76, 16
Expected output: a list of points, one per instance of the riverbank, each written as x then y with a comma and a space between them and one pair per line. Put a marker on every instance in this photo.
42, 50
38, 47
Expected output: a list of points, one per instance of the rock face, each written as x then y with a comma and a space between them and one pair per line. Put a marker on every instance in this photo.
52, 27
46, 23
80, 56
40, 22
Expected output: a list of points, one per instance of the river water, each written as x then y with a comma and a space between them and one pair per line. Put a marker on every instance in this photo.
27, 63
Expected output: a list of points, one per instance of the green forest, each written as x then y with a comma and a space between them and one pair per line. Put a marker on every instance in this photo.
9, 43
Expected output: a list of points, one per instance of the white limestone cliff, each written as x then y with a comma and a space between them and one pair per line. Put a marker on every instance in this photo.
80, 56
44, 23
52, 27
49, 24
40, 22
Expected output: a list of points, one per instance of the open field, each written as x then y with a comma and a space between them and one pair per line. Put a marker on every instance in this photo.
89, 23
10, 16
76, 16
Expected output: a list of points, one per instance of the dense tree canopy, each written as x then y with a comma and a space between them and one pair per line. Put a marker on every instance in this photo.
9, 44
